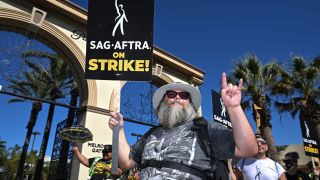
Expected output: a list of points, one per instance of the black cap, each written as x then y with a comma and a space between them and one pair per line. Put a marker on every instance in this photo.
107, 148
293, 155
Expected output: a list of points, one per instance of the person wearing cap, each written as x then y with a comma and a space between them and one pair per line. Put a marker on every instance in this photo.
291, 165
173, 150
260, 166
100, 168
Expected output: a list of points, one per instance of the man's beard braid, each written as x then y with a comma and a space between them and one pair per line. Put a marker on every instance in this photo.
170, 116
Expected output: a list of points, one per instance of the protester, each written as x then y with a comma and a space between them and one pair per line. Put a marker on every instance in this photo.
260, 166
173, 150
100, 168
314, 170
291, 165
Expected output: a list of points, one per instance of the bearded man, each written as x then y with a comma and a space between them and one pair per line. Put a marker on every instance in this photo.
173, 150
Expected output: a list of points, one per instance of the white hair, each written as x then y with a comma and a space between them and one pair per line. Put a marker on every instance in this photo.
170, 116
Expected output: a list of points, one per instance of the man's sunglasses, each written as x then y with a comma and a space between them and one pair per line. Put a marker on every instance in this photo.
182, 95
290, 161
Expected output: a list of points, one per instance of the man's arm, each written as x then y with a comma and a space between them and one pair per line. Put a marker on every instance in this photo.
245, 140
82, 159
109, 170
231, 173
283, 176
124, 149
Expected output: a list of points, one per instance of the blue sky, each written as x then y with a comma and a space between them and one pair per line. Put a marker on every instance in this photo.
211, 35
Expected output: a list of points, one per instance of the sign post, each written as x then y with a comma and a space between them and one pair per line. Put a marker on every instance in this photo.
115, 148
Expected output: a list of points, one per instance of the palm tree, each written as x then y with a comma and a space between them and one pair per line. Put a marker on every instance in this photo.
65, 145
43, 83
28, 86
257, 81
299, 91
15, 151
59, 80
3, 152
13, 161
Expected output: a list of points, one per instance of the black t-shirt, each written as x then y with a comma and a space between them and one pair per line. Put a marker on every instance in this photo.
298, 176
98, 172
181, 144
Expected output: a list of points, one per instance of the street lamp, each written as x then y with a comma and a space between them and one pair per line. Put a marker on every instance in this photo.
34, 137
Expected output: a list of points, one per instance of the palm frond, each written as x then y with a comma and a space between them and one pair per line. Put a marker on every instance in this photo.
253, 64
245, 105
16, 100
316, 62
298, 64
284, 107
311, 72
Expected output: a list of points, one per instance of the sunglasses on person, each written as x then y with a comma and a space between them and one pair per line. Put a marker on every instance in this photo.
262, 141
289, 161
182, 95
106, 153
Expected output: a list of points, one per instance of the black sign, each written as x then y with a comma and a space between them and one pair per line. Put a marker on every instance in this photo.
311, 145
120, 40
220, 113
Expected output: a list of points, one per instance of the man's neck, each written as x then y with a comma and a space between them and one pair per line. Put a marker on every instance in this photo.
261, 156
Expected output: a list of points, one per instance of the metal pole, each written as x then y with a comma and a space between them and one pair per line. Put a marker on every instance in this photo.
115, 148
34, 137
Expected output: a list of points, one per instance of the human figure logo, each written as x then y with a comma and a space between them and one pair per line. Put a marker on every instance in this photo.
119, 19
307, 129
258, 173
223, 107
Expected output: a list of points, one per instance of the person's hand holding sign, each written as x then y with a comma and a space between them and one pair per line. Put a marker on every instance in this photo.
113, 120
231, 94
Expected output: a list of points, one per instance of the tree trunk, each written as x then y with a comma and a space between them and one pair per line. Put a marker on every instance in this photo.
65, 145
266, 133
36, 108
265, 128
44, 144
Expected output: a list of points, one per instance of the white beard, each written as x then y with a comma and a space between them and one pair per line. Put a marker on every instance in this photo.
170, 116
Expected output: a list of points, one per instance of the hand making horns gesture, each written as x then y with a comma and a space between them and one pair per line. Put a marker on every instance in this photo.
230, 94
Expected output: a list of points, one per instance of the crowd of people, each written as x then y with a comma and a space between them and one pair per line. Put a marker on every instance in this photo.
261, 167
185, 146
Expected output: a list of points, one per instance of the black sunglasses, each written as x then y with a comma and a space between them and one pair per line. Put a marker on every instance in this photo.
289, 161
182, 95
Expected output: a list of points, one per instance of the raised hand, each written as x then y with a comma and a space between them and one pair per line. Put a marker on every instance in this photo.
75, 148
231, 94
113, 121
